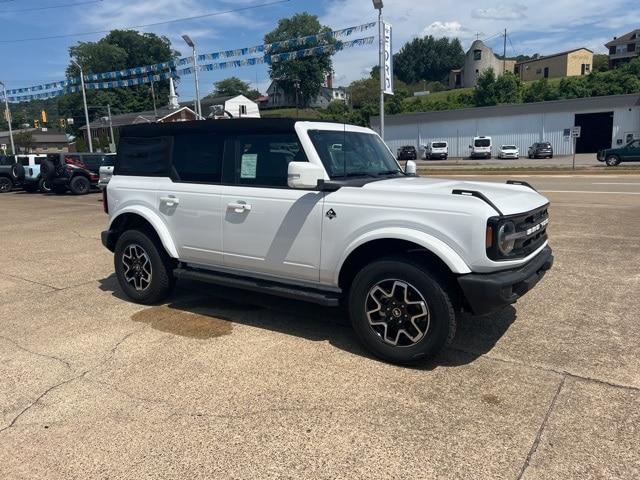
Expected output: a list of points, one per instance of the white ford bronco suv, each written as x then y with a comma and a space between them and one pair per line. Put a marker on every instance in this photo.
320, 212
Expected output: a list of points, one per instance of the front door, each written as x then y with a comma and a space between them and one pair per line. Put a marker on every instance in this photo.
190, 201
270, 228
634, 150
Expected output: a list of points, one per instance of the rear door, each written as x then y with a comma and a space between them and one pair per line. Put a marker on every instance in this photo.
190, 200
268, 227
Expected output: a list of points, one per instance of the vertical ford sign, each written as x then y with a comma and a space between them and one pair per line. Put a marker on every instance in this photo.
388, 60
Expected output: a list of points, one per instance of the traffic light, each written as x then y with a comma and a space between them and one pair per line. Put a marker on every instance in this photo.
62, 122
43, 116
36, 123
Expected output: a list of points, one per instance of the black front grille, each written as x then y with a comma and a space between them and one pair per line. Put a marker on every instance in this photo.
530, 229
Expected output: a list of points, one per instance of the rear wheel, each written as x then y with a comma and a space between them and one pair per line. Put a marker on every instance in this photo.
44, 186
142, 268
400, 312
79, 185
5, 185
612, 160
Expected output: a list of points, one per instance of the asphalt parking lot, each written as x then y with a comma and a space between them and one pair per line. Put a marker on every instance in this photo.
225, 384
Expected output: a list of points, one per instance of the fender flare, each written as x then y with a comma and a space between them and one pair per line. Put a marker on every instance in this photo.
156, 222
436, 246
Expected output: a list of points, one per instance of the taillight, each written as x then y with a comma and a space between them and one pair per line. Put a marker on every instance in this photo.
105, 202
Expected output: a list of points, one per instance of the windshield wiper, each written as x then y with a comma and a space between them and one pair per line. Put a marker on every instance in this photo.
356, 174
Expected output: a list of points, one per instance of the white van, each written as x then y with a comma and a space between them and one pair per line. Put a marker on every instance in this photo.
481, 147
436, 149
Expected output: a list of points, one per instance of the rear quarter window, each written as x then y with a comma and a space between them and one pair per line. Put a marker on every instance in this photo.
144, 156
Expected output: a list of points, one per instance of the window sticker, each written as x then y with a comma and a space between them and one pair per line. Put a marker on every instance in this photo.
248, 165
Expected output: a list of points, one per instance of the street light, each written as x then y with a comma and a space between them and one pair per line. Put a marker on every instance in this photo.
377, 4
84, 99
8, 117
196, 103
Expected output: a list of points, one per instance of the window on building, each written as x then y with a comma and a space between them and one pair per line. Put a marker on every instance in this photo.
197, 157
631, 47
263, 160
546, 72
612, 50
477, 55
243, 109
538, 71
585, 69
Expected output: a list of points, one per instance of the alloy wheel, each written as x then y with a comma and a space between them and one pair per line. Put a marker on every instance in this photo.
137, 267
397, 312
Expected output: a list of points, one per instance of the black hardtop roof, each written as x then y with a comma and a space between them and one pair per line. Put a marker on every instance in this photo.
222, 126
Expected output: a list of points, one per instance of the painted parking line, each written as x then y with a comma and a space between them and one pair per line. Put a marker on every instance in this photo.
589, 191
615, 183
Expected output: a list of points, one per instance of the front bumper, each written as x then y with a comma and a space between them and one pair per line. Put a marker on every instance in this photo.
487, 292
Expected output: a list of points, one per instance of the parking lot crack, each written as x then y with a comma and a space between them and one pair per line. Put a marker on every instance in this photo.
43, 355
536, 441
29, 281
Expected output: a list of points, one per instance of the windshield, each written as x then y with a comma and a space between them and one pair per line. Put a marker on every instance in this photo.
482, 142
439, 145
353, 153
509, 147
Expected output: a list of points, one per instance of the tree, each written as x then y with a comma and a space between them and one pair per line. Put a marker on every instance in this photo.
494, 91
24, 141
309, 73
427, 58
118, 50
230, 87
540, 91
600, 62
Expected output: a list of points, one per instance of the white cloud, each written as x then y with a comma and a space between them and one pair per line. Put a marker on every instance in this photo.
452, 29
502, 11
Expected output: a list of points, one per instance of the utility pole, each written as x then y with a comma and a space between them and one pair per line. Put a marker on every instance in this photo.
8, 117
153, 97
113, 140
504, 53
196, 104
86, 109
378, 4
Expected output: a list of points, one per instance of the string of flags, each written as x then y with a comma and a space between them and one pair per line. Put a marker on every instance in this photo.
157, 72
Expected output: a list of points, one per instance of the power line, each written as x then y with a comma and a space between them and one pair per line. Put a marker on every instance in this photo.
49, 7
184, 19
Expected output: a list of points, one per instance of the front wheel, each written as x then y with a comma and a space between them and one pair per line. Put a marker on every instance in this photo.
44, 186
612, 161
5, 185
142, 268
400, 312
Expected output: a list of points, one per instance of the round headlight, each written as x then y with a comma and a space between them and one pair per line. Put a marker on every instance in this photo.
504, 243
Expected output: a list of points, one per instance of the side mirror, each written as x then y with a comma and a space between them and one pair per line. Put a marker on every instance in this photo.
470, 146
410, 168
304, 175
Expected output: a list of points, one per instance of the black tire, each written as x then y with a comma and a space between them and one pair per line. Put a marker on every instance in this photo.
17, 171
59, 189
6, 184
439, 324
80, 185
161, 280
612, 160
30, 187
47, 169
44, 186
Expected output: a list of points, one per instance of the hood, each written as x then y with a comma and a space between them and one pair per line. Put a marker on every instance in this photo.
510, 199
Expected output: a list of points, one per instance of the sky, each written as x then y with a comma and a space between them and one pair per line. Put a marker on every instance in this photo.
541, 26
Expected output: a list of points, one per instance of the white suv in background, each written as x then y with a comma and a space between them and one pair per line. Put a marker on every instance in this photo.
320, 212
436, 150
480, 148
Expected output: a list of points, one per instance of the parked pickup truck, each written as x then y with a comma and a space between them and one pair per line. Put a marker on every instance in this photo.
321, 212
11, 173
614, 156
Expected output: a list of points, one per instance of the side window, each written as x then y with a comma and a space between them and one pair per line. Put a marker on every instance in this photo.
263, 160
24, 161
197, 157
38, 160
144, 156
92, 162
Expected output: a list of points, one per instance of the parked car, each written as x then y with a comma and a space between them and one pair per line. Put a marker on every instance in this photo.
11, 173
75, 172
106, 171
541, 150
408, 152
330, 219
481, 147
509, 151
33, 181
436, 150
614, 156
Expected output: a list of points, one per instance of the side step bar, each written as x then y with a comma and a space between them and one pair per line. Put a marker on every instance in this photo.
326, 298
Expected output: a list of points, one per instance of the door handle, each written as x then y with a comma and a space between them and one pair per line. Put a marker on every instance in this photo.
170, 201
239, 207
